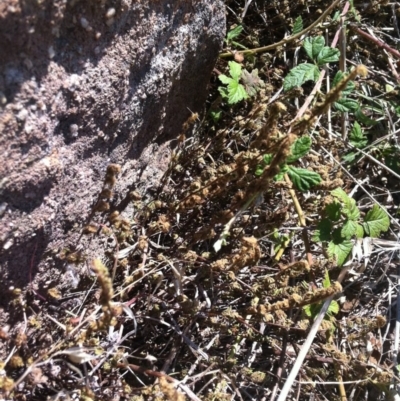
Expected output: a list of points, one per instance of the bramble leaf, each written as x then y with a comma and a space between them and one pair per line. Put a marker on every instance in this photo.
326, 283
350, 85
350, 209
349, 157
323, 232
359, 231
235, 69
333, 308
234, 33
303, 179
376, 221
299, 149
300, 74
340, 194
349, 229
223, 91
328, 55
298, 25
340, 250
313, 46
216, 115
312, 310
357, 137
236, 92
345, 105
333, 210
224, 79
309, 310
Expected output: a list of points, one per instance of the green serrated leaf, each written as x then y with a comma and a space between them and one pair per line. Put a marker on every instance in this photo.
345, 105
326, 283
309, 312
328, 55
298, 25
333, 210
340, 250
376, 221
313, 46
359, 231
234, 33
236, 92
349, 87
235, 70
303, 179
312, 310
340, 194
299, 149
333, 308
215, 115
224, 79
349, 157
349, 229
357, 137
356, 131
223, 91
323, 232
350, 210
300, 74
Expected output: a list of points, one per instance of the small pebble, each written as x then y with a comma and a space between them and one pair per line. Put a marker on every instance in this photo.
73, 129
84, 23
52, 52
110, 13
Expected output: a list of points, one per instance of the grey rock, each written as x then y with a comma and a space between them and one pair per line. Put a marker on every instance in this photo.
126, 73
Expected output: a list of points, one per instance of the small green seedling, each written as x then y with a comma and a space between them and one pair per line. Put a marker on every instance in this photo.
234, 92
358, 140
232, 35
298, 25
342, 222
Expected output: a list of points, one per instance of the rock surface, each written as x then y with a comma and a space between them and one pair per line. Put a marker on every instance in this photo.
84, 84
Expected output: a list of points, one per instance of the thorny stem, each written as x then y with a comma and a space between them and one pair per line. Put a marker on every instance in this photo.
286, 40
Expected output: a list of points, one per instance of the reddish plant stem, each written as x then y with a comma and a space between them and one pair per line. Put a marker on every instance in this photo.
377, 41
